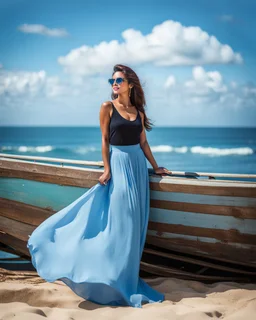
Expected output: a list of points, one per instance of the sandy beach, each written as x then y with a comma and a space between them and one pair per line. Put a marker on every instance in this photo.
31, 298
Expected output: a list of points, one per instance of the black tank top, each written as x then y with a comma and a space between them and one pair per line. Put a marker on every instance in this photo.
122, 131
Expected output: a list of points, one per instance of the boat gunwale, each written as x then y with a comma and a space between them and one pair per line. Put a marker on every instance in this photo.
154, 178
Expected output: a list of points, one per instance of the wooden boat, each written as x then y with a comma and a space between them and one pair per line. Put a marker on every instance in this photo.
203, 219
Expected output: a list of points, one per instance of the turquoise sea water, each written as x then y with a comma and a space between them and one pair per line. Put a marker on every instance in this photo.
230, 150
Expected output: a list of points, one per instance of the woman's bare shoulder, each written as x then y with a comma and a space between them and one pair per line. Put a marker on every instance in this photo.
106, 108
106, 104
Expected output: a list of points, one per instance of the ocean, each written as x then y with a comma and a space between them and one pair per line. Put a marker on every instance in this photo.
215, 150
211, 150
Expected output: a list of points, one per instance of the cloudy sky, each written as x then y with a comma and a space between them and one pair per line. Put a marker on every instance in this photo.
196, 60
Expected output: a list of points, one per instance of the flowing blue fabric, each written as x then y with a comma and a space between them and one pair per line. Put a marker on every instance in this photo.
94, 245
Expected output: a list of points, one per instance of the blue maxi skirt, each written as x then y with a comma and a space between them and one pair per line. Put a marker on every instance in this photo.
94, 245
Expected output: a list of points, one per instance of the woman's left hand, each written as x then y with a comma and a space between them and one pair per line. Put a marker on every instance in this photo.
162, 170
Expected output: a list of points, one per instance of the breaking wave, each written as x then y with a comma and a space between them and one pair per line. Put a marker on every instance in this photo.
245, 151
208, 151
48, 148
39, 149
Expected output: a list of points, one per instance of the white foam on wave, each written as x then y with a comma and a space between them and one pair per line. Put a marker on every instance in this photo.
222, 152
210, 151
48, 148
83, 150
40, 149
166, 148
181, 149
6, 148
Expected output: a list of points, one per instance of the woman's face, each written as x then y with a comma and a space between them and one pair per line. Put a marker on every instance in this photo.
120, 88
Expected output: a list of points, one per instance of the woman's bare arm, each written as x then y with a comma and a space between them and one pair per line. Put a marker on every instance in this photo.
145, 146
105, 109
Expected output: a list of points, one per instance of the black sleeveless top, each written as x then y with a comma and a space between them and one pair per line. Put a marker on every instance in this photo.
124, 132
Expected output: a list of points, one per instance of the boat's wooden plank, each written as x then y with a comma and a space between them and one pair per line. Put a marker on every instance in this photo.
82, 181
34, 216
233, 211
28, 213
86, 177
8, 249
9, 163
231, 235
228, 190
46, 196
30, 192
203, 199
13, 209
23, 212
222, 251
247, 251
18, 157
169, 179
28, 218
19, 189
82, 177
167, 271
15, 157
19, 246
213, 223
196, 261
15, 228
170, 235
6, 260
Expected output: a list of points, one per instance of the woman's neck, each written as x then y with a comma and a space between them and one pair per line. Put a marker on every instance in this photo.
124, 101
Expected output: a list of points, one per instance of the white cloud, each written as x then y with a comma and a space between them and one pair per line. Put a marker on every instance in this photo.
169, 44
170, 82
32, 84
204, 83
31, 98
203, 98
19, 83
208, 89
43, 30
37, 98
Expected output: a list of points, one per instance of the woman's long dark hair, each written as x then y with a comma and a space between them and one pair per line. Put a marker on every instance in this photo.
137, 94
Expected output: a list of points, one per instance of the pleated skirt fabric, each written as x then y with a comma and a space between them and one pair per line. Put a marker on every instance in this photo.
94, 245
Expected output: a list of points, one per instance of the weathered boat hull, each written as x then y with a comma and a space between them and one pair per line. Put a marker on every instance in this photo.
209, 218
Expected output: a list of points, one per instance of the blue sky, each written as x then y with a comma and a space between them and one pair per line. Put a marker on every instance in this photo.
196, 58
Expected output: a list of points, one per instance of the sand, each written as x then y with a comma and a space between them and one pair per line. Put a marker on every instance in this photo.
31, 298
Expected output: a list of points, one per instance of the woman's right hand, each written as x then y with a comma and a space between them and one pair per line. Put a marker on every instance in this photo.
103, 179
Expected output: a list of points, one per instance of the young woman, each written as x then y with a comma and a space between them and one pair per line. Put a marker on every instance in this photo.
95, 244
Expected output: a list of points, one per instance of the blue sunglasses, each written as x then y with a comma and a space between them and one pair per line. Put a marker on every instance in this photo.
118, 81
